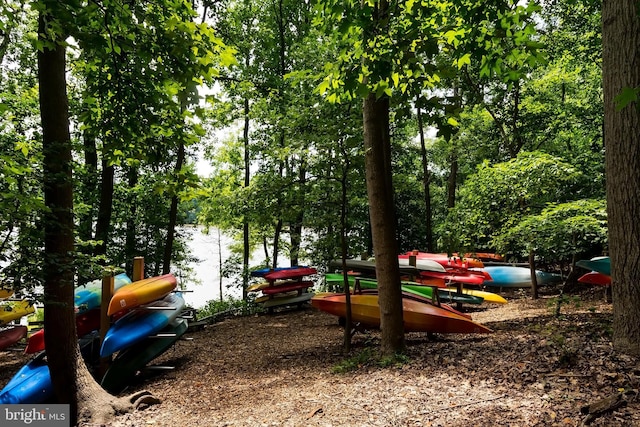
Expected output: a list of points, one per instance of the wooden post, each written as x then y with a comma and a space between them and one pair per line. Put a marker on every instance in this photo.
105, 321
138, 269
413, 260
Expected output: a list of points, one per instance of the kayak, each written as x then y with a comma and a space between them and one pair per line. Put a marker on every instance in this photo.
263, 271
141, 323
447, 261
422, 264
444, 295
129, 361
5, 293
288, 287
368, 268
89, 296
418, 316
141, 292
85, 322
518, 277
600, 264
595, 278
11, 335
294, 273
489, 297
287, 299
15, 310
468, 277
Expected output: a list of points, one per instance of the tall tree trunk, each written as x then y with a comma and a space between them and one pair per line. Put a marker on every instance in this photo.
89, 189
621, 71
453, 179
426, 182
245, 221
59, 318
377, 147
130, 239
173, 215
103, 222
296, 226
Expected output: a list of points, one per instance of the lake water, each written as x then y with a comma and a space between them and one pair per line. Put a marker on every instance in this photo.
207, 248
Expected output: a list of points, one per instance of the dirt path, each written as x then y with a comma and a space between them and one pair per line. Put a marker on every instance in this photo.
279, 370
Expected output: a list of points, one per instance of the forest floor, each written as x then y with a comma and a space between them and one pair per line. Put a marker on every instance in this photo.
282, 370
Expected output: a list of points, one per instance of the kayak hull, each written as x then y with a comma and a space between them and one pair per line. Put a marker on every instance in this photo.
417, 316
507, 276
141, 292
12, 335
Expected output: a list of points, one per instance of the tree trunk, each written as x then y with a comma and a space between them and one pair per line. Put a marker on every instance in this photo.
621, 71
426, 183
130, 239
103, 223
377, 149
296, 227
59, 318
245, 222
173, 215
453, 178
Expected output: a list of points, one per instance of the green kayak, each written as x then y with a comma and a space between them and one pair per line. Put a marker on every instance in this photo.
445, 295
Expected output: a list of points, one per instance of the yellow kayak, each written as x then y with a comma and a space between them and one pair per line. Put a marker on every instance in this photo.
257, 287
5, 293
489, 297
14, 311
141, 292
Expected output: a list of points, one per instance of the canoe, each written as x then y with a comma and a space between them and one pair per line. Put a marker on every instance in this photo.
263, 271
89, 296
85, 322
488, 297
417, 316
281, 300
518, 277
447, 261
595, 278
5, 293
15, 310
600, 264
125, 365
11, 335
422, 264
141, 323
368, 268
288, 287
141, 292
290, 273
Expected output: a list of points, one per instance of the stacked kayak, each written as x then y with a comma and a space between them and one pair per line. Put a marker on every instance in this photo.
11, 334
284, 286
419, 315
88, 297
507, 276
600, 273
5, 293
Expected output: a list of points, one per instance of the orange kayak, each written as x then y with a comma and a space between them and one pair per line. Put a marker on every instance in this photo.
141, 292
418, 316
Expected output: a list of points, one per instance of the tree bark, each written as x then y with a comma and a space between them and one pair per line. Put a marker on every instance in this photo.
245, 222
426, 182
59, 319
621, 70
103, 223
383, 222
173, 214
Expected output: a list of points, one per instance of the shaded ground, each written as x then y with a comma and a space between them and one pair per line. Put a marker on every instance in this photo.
279, 370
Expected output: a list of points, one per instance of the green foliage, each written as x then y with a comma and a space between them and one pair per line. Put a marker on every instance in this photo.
229, 307
558, 232
497, 197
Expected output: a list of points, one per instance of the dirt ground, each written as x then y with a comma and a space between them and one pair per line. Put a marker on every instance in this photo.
281, 370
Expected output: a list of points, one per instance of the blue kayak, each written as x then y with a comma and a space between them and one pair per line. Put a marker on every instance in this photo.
140, 323
89, 296
507, 276
600, 264
31, 384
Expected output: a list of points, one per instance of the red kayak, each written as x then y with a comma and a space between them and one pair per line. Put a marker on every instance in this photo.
595, 278
85, 323
469, 278
290, 273
11, 335
287, 287
446, 261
